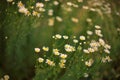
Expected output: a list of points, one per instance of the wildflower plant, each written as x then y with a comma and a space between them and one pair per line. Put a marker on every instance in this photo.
78, 46
73, 58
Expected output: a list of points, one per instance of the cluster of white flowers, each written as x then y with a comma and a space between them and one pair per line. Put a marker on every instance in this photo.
33, 10
35, 13
56, 52
37, 50
106, 46
22, 8
62, 63
98, 31
94, 46
72, 4
58, 36
63, 56
105, 7
97, 45
69, 48
58, 56
39, 7
106, 59
49, 62
89, 62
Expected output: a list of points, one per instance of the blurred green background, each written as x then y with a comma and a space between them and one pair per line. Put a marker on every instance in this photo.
19, 35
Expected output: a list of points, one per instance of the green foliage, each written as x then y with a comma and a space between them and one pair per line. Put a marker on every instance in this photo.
20, 34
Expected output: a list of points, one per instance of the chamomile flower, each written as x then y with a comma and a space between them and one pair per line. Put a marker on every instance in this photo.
86, 51
59, 19
62, 65
75, 40
69, 48
62, 61
89, 62
106, 46
89, 32
20, 4
55, 3
49, 62
35, 13
57, 36
24, 10
56, 52
98, 32
65, 37
106, 59
82, 37
45, 48
37, 50
63, 56
97, 27
40, 60
107, 51
39, 5
102, 42
91, 50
